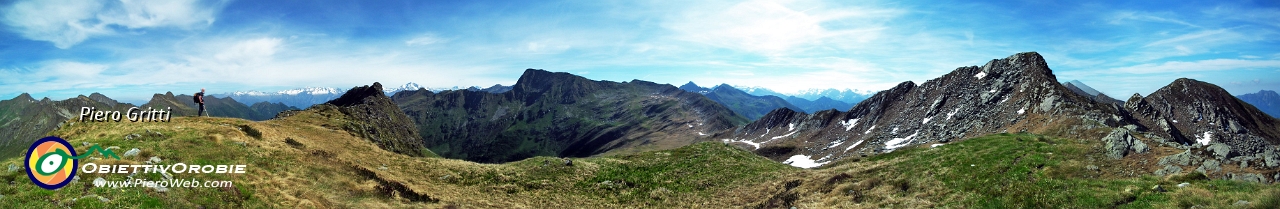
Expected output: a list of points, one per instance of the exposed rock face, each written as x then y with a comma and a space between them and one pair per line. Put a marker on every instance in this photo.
1203, 113
372, 115
559, 114
1120, 142
1018, 93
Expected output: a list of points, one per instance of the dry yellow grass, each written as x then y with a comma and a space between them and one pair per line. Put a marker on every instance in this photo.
308, 161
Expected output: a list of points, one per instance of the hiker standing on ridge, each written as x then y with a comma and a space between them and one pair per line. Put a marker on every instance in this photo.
200, 100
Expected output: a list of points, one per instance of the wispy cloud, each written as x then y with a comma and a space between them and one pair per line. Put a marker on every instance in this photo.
423, 40
786, 45
1200, 65
67, 23
1123, 17
778, 27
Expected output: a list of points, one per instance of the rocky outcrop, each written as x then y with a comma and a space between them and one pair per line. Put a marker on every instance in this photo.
1014, 94
1120, 142
1203, 114
1020, 93
372, 115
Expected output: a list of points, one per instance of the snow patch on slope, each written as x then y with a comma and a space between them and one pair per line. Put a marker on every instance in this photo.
899, 142
783, 136
849, 124
749, 142
855, 144
1208, 137
981, 75
802, 161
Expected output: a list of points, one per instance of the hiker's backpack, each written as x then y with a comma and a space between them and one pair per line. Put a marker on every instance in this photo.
196, 98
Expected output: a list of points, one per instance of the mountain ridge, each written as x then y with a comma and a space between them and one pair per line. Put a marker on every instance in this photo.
561, 114
1020, 94
1266, 100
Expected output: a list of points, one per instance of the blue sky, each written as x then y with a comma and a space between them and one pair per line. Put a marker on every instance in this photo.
131, 49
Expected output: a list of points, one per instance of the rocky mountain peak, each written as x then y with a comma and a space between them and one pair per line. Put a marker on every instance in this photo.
1013, 94
359, 95
561, 114
692, 87
1267, 101
690, 84
24, 97
1029, 66
95, 96
374, 116
563, 87
538, 80
1207, 114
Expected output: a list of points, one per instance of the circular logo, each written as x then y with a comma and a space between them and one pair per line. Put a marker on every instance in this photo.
50, 164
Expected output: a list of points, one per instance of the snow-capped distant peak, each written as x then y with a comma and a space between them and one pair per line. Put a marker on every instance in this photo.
249, 93
411, 86
311, 90
306, 90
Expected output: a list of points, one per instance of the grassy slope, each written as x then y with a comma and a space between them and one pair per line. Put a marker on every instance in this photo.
1011, 170
325, 167
307, 161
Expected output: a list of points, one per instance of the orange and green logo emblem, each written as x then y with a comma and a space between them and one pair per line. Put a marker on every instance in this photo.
49, 164
52, 162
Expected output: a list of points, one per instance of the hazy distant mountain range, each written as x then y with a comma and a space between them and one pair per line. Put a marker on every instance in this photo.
764, 100
747, 105
301, 97
1267, 101
851, 96
307, 96
1080, 88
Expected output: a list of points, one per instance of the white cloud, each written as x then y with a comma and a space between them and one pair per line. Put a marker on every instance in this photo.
1199, 36
248, 52
807, 73
56, 75
66, 23
1257, 15
1200, 65
63, 22
159, 13
1121, 17
774, 27
424, 40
